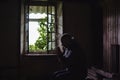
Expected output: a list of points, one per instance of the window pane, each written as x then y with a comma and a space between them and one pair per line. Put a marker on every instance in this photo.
51, 10
37, 29
39, 26
38, 9
33, 32
53, 19
50, 37
53, 45
51, 27
49, 45
37, 15
49, 18
53, 36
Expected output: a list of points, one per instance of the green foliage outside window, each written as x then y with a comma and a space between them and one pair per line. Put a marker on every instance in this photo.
41, 42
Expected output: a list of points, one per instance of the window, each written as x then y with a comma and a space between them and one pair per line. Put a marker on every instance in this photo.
41, 26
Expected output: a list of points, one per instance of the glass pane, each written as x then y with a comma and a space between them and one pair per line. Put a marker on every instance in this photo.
51, 28
51, 10
53, 36
40, 28
53, 45
37, 28
37, 16
38, 9
50, 36
49, 18
33, 32
53, 19
49, 46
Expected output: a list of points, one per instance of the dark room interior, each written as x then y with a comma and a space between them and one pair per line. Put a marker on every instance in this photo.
94, 24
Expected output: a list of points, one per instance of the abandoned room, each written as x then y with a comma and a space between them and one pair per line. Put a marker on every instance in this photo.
31, 29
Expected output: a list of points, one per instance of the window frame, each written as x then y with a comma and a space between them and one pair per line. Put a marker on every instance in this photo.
39, 3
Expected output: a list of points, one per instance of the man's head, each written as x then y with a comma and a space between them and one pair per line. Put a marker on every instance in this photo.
67, 40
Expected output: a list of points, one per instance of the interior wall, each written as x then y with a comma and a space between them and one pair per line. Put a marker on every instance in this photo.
9, 17
9, 33
83, 20
42, 66
111, 36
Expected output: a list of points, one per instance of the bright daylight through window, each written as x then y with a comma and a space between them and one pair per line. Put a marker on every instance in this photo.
41, 29
42, 26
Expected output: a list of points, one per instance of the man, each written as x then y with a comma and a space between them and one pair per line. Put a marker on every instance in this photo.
72, 58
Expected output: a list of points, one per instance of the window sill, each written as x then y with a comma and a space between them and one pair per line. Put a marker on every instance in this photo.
40, 54
51, 53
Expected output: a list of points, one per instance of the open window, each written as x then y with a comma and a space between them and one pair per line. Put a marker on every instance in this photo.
41, 26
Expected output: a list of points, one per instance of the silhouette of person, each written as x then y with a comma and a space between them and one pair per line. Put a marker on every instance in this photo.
72, 58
